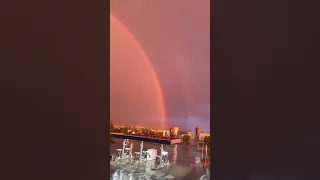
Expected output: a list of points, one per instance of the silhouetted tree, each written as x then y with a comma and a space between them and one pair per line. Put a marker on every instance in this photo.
206, 140
186, 138
111, 127
146, 132
125, 129
121, 130
159, 134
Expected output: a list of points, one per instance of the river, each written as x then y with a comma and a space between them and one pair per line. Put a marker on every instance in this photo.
181, 156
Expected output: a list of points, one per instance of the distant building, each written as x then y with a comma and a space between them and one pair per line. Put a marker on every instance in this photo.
198, 133
139, 127
171, 132
192, 135
201, 135
183, 132
161, 131
117, 126
176, 131
167, 133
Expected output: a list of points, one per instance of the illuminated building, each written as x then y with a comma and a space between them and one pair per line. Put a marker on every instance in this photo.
176, 131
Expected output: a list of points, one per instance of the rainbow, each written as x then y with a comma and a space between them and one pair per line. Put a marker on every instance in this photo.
148, 62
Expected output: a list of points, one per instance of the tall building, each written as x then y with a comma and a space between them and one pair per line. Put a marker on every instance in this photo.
197, 133
176, 131
171, 132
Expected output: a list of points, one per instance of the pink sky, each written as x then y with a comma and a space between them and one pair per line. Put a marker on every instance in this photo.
175, 36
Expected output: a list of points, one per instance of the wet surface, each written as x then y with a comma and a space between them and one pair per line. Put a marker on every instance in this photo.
181, 158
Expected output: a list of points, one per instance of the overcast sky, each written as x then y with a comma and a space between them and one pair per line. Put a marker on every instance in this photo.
175, 37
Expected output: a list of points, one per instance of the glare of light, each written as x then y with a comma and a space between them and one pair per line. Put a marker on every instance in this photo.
131, 146
206, 151
174, 154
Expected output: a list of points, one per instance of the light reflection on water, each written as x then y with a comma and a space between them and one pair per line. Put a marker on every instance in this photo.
174, 154
182, 155
121, 174
131, 148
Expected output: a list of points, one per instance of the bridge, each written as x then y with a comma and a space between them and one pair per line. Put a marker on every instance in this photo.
162, 141
166, 141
